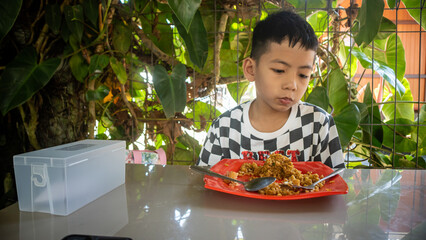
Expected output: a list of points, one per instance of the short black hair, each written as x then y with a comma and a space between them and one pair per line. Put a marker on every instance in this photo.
278, 26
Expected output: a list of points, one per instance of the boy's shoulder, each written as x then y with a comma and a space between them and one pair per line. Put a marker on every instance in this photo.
309, 107
236, 111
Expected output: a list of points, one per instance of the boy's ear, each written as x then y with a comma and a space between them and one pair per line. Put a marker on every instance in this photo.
249, 69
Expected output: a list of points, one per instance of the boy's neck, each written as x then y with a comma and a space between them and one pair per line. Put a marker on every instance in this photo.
265, 119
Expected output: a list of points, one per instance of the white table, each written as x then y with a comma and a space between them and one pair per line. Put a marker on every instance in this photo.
170, 202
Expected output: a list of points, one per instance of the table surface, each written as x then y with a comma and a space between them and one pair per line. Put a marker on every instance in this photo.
170, 202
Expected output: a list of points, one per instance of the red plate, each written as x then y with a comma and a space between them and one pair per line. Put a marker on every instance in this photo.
339, 185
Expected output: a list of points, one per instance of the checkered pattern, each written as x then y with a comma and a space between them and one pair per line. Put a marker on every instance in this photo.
309, 131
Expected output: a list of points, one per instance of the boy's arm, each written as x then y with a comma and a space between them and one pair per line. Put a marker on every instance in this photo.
211, 153
329, 150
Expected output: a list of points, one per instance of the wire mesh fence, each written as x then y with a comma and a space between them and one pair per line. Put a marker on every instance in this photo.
374, 61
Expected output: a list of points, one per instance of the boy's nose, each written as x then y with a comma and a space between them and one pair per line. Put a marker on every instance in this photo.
289, 83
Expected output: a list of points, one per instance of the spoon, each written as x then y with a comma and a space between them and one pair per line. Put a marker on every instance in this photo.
312, 186
250, 186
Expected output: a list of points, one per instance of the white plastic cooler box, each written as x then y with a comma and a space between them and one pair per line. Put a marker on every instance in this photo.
61, 179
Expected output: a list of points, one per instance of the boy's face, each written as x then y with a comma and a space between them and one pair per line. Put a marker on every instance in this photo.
281, 75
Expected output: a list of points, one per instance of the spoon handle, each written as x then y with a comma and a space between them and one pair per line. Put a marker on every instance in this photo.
213, 174
337, 171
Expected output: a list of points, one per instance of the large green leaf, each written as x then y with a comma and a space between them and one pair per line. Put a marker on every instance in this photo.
171, 90
369, 17
100, 93
414, 7
9, 11
23, 77
122, 37
195, 39
157, 28
202, 112
190, 144
338, 88
118, 69
381, 68
74, 18
91, 11
319, 22
403, 110
387, 27
305, 8
391, 52
185, 11
347, 121
350, 62
395, 55
319, 97
403, 142
228, 63
53, 17
237, 90
422, 129
97, 65
79, 67
370, 123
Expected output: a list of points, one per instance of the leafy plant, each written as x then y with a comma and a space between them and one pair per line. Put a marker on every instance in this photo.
145, 70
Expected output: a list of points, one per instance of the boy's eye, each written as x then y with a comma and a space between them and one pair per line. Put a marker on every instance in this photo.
303, 76
278, 70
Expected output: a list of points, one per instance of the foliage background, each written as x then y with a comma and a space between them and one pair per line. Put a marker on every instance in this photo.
150, 73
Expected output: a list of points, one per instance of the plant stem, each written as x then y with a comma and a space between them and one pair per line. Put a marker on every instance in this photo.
31, 125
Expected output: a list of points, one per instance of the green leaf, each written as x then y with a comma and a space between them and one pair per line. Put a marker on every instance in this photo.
351, 63
157, 27
74, 18
9, 11
395, 55
23, 77
338, 89
228, 63
195, 39
190, 143
403, 142
413, 8
237, 90
381, 68
122, 37
119, 70
78, 66
201, 112
171, 90
370, 124
305, 8
98, 63
53, 17
385, 52
185, 11
392, 3
387, 27
403, 110
369, 17
422, 129
319, 97
91, 11
100, 93
347, 121
319, 22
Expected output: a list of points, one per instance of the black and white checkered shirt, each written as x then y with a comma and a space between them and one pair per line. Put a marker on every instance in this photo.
308, 135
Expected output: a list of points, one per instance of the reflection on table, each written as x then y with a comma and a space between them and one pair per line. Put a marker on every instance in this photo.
170, 202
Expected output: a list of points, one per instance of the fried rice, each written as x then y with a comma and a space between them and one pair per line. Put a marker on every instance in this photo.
282, 169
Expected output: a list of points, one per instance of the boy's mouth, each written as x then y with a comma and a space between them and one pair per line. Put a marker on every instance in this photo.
285, 100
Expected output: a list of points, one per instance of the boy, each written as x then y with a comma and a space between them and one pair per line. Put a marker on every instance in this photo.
283, 52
